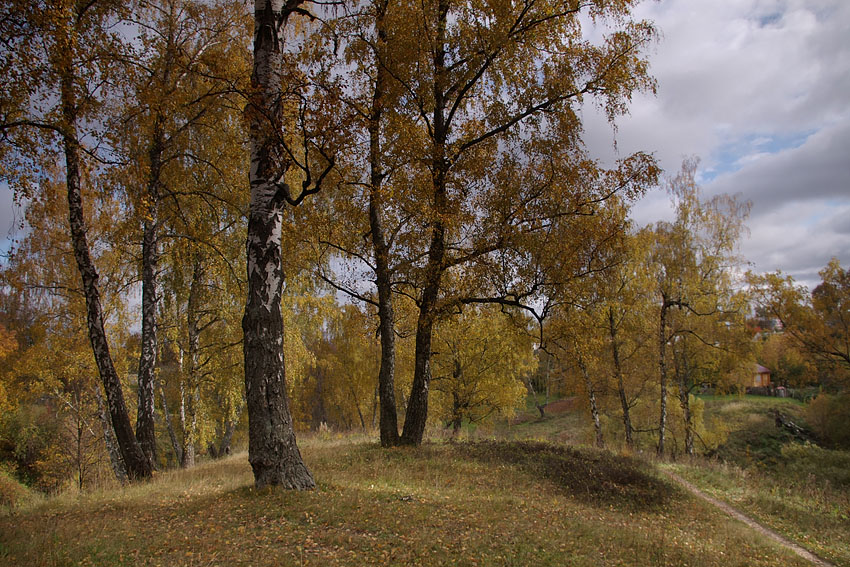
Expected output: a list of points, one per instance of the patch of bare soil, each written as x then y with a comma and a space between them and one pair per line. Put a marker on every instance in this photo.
552, 408
560, 406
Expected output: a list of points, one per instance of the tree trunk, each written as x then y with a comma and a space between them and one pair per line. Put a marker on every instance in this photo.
187, 448
374, 410
320, 413
137, 465
417, 406
591, 397
145, 431
360, 415
189, 388
109, 439
386, 317
272, 449
662, 369
81, 468
457, 415
618, 373
681, 369
229, 428
175, 445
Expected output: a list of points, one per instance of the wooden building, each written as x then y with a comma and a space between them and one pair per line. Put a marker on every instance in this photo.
761, 377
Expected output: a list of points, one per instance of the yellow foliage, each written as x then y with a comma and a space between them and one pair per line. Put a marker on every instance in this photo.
479, 364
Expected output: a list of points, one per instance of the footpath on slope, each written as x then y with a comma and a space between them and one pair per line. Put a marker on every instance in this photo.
767, 532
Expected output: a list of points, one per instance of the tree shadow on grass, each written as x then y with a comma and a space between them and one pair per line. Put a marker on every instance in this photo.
591, 476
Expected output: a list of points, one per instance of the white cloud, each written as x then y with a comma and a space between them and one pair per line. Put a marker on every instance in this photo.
760, 90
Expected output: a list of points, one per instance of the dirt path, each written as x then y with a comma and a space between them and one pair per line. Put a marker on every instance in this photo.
767, 532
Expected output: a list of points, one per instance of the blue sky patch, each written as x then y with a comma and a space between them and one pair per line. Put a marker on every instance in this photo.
733, 155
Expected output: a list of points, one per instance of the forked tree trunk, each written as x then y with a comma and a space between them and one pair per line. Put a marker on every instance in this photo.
137, 465
272, 449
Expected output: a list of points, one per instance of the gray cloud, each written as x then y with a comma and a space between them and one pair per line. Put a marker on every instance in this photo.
728, 69
760, 90
819, 169
9, 217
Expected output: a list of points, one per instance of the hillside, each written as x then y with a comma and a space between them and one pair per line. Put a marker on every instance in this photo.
485, 502
461, 504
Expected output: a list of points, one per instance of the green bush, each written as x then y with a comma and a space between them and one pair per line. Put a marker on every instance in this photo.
828, 416
27, 437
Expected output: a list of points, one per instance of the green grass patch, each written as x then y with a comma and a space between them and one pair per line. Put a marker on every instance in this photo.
750, 425
567, 427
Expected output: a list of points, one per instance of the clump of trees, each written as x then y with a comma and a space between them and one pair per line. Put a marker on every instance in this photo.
815, 328
371, 215
663, 316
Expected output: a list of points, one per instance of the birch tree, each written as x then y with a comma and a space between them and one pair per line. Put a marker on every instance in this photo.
493, 77
481, 360
61, 66
290, 160
180, 93
693, 261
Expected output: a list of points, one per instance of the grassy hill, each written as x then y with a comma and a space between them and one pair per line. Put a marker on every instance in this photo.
486, 502
793, 486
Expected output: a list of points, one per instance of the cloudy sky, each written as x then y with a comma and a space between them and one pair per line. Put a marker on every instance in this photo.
759, 90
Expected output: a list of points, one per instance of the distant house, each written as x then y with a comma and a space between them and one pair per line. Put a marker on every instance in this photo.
761, 377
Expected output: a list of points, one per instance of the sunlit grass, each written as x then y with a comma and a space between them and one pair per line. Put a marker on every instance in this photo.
485, 503
798, 489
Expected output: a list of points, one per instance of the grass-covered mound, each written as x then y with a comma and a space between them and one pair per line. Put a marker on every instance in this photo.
487, 503
591, 476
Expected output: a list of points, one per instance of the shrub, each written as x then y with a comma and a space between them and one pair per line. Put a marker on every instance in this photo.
828, 415
27, 437
12, 492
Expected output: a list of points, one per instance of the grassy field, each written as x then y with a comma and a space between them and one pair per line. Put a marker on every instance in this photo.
796, 488
479, 502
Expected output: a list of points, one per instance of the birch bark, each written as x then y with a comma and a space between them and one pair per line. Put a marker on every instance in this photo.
137, 465
145, 432
272, 449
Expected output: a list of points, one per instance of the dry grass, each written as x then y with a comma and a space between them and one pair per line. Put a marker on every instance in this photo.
800, 490
488, 503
